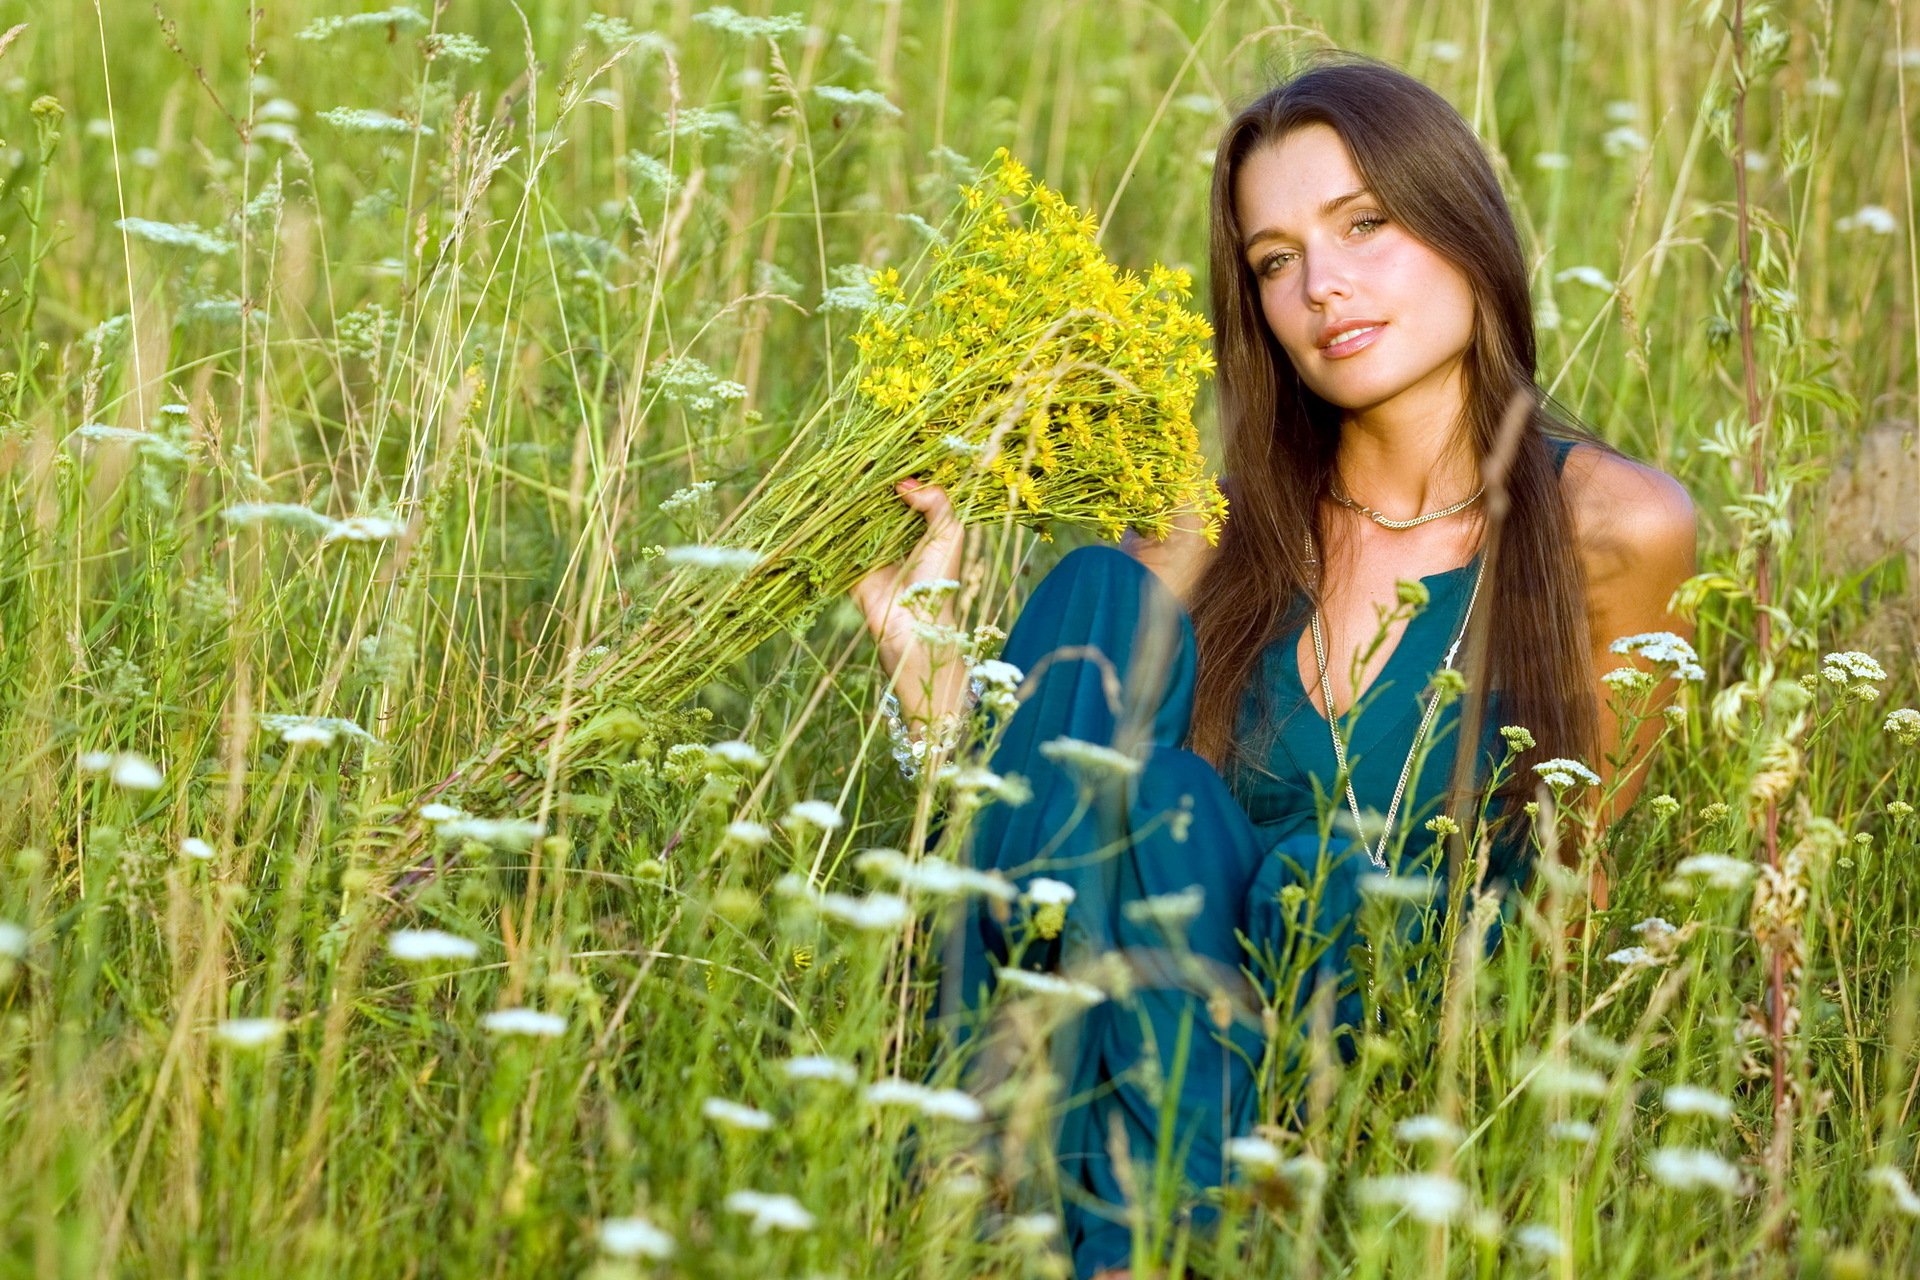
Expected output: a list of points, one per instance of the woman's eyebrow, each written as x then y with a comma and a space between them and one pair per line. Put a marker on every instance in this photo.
1272, 233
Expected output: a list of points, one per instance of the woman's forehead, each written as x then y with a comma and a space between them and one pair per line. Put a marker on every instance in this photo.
1295, 180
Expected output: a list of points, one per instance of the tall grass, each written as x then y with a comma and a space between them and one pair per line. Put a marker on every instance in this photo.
579, 263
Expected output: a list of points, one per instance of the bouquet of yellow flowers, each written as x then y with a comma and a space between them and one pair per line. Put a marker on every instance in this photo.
1023, 371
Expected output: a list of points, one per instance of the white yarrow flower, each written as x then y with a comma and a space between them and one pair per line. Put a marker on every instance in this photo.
1424, 1128
1261, 1155
1089, 761
1875, 219
420, 945
1693, 1169
13, 940
816, 813
501, 833
1047, 892
634, 1238
1633, 957
770, 1211
1540, 1239
1692, 1100
1556, 1080
434, 811
1895, 1184
1722, 871
1070, 990
1653, 927
745, 832
942, 1104
195, 847
818, 1067
175, 235
1592, 277
307, 735
365, 529
1560, 773
741, 755
877, 912
1428, 1197
134, 772
736, 1115
712, 559
524, 1022
249, 1033
1578, 1132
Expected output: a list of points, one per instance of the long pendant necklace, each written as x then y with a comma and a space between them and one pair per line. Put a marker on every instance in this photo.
1388, 522
1378, 855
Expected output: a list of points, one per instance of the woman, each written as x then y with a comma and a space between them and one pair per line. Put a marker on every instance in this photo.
1373, 326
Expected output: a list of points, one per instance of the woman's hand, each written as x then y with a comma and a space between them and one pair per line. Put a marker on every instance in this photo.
929, 685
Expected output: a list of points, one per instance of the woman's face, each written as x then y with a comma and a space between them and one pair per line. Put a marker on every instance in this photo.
1366, 312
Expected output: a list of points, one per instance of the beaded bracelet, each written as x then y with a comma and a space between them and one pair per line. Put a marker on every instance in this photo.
910, 752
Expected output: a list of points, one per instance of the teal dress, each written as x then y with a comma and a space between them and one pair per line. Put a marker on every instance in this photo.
1171, 864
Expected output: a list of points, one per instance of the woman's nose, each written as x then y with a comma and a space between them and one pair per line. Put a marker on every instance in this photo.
1326, 277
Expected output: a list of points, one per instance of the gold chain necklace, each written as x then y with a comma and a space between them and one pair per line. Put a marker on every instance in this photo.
1378, 855
1390, 523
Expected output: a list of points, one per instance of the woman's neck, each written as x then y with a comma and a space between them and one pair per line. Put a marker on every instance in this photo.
1407, 457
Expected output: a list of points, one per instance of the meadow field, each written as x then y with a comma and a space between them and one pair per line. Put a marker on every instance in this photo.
362, 370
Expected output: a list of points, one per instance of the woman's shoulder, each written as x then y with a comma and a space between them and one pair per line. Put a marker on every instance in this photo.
1629, 518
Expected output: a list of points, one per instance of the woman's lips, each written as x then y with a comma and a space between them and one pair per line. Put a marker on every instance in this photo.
1355, 341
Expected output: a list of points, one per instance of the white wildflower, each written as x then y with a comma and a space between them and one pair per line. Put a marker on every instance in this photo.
816, 813
336, 726
877, 912
1622, 111
736, 1115
939, 1104
769, 1211
366, 120
175, 235
936, 876
1033, 1228
724, 18
1540, 1240
249, 1033
249, 514
859, 99
1722, 871
1444, 50
1692, 1100
739, 754
1046, 892
1693, 1169
430, 944
1592, 277
307, 735
1167, 910
1561, 773
500, 833
1623, 140
365, 529
1895, 1184
1851, 669
1578, 1132
819, 1067
1653, 927
1260, 1155
748, 833
434, 811
1628, 680
1875, 219
1427, 1197
1089, 761
713, 559
634, 1238
1904, 725
13, 940
1405, 888
1552, 161
1424, 1128
396, 17
1069, 990
453, 46
1558, 1080
195, 847
524, 1022
131, 771
1633, 957
688, 498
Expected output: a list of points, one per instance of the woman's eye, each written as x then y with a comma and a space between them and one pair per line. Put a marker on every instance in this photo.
1272, 261
1369, 222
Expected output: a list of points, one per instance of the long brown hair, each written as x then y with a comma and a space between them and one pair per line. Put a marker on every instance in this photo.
1424, 165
